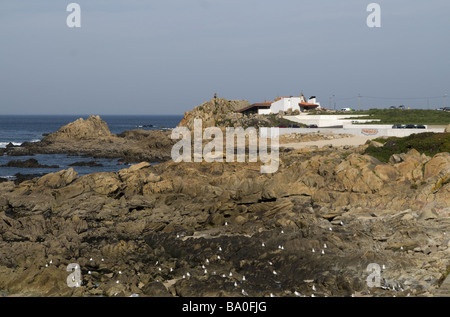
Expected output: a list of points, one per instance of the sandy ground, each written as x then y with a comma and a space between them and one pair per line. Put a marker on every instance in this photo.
350, 141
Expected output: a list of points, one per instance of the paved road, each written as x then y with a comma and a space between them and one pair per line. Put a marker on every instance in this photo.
351, 141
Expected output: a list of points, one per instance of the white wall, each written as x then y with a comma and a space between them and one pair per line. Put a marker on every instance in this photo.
285, 104
264, 111
372, 131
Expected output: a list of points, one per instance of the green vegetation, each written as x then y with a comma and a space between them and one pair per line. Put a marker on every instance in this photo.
428, 143
400, 116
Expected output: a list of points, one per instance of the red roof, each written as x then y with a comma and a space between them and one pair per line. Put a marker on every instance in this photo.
308, 105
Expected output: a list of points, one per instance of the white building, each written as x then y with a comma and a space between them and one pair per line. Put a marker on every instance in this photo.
283, 104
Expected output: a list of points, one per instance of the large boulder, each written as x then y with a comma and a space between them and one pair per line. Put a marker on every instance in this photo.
91, 128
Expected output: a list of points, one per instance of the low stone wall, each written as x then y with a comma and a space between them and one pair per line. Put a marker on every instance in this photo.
366, 130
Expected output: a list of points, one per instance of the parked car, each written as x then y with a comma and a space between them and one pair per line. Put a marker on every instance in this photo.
410, 126
401, 107
312, 126
420, 126
398, 126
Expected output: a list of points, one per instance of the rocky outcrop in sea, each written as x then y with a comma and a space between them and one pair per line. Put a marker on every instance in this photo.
92, 137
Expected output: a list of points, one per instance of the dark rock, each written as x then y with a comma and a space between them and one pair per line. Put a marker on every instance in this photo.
30, 163
90, 164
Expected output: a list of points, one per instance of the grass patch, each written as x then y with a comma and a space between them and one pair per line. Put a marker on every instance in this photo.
429, 143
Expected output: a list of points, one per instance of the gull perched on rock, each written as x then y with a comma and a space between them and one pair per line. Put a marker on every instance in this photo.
244, 293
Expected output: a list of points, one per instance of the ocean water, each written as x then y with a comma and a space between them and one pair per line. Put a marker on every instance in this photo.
18, 129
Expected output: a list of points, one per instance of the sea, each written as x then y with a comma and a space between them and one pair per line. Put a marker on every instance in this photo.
17, 129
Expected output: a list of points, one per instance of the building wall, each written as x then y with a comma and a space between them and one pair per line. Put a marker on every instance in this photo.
285, 104
264, 111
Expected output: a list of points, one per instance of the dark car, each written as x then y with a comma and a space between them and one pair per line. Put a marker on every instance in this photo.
420, 126
410, 126
312, 126
398, 126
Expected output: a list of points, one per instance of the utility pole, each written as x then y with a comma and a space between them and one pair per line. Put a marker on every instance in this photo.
359, 102
445, 100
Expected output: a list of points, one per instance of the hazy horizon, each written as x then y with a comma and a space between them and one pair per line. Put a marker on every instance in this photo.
166, 57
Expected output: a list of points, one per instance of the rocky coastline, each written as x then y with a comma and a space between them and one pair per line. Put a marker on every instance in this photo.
224, 229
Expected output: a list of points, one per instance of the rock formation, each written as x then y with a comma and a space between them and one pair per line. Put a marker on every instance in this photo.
196, 229
91, 137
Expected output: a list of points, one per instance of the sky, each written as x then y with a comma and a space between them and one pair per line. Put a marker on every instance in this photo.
168, 56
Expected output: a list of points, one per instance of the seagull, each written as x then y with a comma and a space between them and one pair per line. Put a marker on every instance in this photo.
274, 272
235, 284
117, 282
203, 266
312, 295
313, 251
223, 275
187, 274
226, 223
263, 245
171, 269
205, 271
120, 272
401, 248
323, 252
218, 257
159, 269
341, 223
243, 277
313, 287
330, 229
220, 248
282, 231
297, 293
271, 295
207, 261
103, 260
384, 267
324, 245
184, 276
51, 261
90, 259
231, 274
178, 235
244, 293
270, 263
